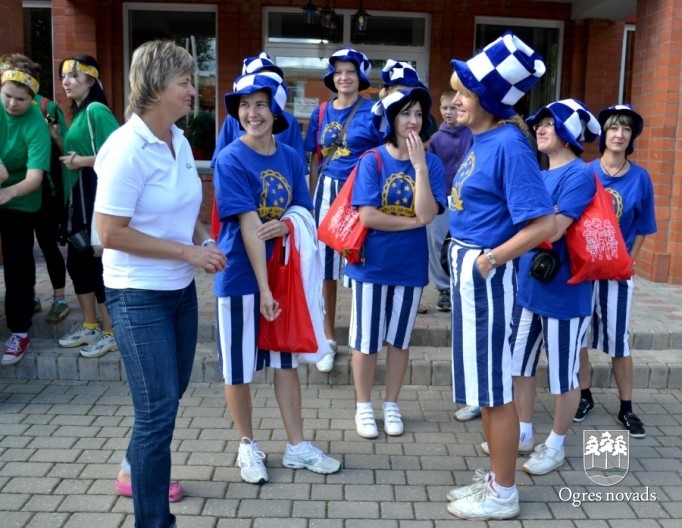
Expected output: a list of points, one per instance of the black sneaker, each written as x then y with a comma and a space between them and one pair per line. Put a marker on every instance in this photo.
585, 407
443, 304
632, 424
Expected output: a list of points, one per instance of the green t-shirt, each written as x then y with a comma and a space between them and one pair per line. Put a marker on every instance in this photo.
77, 138
27, 146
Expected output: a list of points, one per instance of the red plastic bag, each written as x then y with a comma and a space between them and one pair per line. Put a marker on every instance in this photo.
293, 330
595, 244
341, 229
215, 221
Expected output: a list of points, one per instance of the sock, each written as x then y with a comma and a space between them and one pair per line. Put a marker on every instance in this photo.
22, 335
555, 441
61, 300
586, 394
110, 334
526, 431
502, 492
625, 406
90, 326
298, 448
364, 405
389, 405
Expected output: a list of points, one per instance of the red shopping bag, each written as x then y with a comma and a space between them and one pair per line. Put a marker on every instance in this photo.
341, 228
293, 330
215, 221
595, 244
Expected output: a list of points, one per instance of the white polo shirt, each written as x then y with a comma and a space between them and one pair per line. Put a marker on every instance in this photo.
138, 178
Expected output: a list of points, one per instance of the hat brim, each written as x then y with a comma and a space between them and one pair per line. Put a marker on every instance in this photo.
422, 96
232, 107
638, 121
328, 78
488, 102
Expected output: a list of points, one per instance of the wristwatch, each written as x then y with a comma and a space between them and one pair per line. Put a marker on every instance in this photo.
491, 259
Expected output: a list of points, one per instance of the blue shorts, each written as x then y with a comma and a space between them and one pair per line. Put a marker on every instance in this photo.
238, 354
611, 318
326, 191
481, 317
562, 340
382, 313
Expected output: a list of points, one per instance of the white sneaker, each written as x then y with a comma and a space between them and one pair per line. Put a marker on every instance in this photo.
526, 447
480, 481
365, 423
467, 413
310, 458
544, 460
486, 504
326, 364
105, 343
78, 335
250, 460
393, 423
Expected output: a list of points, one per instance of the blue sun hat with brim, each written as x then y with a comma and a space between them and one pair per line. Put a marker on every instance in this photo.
385, 110
255, 82
626, 109
400, 73
573, 122
503, 72
358, 58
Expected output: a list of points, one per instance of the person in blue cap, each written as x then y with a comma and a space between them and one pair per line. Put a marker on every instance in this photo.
550, 314
257, 179
396, 199
338, 133
633, 197
499, 209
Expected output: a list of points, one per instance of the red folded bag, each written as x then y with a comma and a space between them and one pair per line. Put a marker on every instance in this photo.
293, 330
595, 244
341, 228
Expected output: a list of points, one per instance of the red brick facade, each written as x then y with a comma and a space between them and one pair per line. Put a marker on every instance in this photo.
590, 71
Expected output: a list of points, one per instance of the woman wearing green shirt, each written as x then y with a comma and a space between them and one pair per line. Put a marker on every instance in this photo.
25, 154
91, 124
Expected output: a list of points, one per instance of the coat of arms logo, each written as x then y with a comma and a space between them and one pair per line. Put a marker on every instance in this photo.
606, 456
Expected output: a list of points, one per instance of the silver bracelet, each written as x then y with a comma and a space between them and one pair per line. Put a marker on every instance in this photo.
207, 242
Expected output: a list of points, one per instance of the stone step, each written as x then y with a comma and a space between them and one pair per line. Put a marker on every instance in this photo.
428, 365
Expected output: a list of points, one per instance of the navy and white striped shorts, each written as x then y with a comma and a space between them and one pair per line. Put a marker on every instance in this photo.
325, 193
562, 340
611, 318
382, 313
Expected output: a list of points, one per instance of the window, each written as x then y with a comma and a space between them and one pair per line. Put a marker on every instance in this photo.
627, 65
194, 28
302, 50
545, 37
38, 42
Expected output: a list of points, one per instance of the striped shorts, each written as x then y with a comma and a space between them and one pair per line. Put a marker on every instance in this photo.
238, 354
611, 317
481, 317
382, 313
562, 340
325, 193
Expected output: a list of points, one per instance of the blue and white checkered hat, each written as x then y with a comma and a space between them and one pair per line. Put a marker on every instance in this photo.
501, 74
255, 82
385, 110
573, 122
260, 62
637, 124
348, 55
402, 73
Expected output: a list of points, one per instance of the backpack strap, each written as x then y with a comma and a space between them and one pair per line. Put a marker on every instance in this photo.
43, 106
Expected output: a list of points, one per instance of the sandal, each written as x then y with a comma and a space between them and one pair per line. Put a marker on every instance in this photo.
175, 491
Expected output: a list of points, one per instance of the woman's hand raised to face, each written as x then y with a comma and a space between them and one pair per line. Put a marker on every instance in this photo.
415, 148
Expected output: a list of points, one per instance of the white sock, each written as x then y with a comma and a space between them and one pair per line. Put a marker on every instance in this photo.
526, 431
298, 448
502, 492
555, 441
22, 335
361, 406
390, 405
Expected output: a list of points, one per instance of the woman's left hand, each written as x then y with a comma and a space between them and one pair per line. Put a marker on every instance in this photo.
272, 229
70, 161
415, 148
209, 258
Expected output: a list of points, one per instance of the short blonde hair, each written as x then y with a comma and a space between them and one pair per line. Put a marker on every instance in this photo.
154, 65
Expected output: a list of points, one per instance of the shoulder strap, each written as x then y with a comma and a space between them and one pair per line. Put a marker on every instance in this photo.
92, 134
320, 118
43, 106
337, 143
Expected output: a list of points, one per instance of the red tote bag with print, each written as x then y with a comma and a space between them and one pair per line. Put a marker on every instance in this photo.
595, 244
341, 228
293, 330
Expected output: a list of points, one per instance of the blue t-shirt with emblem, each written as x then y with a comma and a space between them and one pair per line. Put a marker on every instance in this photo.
246, 181
633, 200
360, 135
231, 130
497, 189
396, 258
571, 188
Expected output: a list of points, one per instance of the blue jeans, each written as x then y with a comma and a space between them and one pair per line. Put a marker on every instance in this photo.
156, 332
